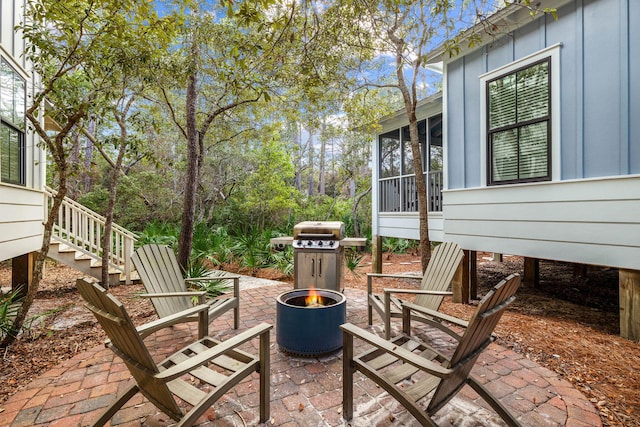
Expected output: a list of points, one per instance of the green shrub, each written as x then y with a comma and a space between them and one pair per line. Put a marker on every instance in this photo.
10, 303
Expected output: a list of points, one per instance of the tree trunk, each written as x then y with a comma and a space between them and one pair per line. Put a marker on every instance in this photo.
310, 178
191, 178
298, 142
38, 267
410, 102
111, 203
354, 211
323, 155
88, 156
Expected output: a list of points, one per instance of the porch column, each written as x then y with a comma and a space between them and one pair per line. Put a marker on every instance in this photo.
22, 271
376, 254
465, 282
629, 283
531, 272
473, 274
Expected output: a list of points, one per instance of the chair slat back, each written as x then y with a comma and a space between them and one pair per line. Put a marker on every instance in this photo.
160, 273
126, 343
442, 267
476, 338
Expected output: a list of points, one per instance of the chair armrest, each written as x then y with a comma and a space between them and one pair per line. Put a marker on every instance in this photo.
371, 276
151, 327
416, 291
204, 357
174, 294
399, 352
394, 276
227, 276
435, 314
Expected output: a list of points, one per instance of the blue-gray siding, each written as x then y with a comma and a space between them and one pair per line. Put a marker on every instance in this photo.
600, 98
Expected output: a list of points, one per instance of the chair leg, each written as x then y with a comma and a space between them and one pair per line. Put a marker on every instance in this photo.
236, 309
265, 377
369, 306
387, 316
111, 410
236, 317
493, 402
347, 376
203, 324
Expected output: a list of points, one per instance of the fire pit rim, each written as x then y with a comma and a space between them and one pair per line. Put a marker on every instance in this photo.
337, 296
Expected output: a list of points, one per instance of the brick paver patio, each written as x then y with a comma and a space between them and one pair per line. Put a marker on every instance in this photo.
304, 392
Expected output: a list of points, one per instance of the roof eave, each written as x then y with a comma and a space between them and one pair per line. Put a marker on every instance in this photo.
510, 18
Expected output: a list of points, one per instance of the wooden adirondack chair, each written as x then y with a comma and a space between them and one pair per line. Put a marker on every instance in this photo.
436, 280
161, 276
390, 363
219, 365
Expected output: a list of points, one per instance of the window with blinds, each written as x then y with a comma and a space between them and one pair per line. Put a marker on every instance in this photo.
12, 124
518, 125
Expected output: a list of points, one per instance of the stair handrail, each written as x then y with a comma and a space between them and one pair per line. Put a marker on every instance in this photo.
82, 229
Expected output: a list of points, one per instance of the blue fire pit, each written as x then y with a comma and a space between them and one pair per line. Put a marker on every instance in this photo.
309, 327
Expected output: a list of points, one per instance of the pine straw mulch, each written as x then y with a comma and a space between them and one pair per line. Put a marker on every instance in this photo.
569, 325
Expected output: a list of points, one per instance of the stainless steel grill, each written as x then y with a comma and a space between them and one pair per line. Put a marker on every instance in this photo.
318, 255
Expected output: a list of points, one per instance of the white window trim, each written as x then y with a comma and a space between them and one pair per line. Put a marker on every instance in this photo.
552, 52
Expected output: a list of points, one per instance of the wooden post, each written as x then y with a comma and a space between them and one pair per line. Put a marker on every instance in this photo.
376, 254
497, 257
460, 282
629, 283
579, 270
473, 275
531, 272
22, 272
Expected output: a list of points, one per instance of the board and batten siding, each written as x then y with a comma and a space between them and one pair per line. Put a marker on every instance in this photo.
21, 208
599, 91
590, 210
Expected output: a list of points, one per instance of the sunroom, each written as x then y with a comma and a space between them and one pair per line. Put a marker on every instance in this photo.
395, 196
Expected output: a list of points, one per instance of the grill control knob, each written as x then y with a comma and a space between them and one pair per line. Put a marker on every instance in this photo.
299, 242
319, 242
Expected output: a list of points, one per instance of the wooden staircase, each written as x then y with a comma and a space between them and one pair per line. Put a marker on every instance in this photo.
76, 241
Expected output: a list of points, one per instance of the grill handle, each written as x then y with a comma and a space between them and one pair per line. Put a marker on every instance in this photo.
315, 236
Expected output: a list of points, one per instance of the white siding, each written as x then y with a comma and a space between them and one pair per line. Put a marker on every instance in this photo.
21, 208
406, 225
593, 221
21, 221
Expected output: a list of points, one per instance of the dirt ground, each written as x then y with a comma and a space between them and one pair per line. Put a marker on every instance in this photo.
568, 324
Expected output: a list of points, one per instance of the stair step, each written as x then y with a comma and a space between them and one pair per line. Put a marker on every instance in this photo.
62, 248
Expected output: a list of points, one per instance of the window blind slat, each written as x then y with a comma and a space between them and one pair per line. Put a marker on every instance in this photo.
533, 92
533, 151
502, 102
505, 155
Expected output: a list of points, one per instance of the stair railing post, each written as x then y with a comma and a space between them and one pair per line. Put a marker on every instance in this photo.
128, 251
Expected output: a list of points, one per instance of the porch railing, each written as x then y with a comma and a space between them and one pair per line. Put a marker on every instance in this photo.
400, 194
82, 229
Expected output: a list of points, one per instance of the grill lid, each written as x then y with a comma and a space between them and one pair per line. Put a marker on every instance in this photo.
319, 230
